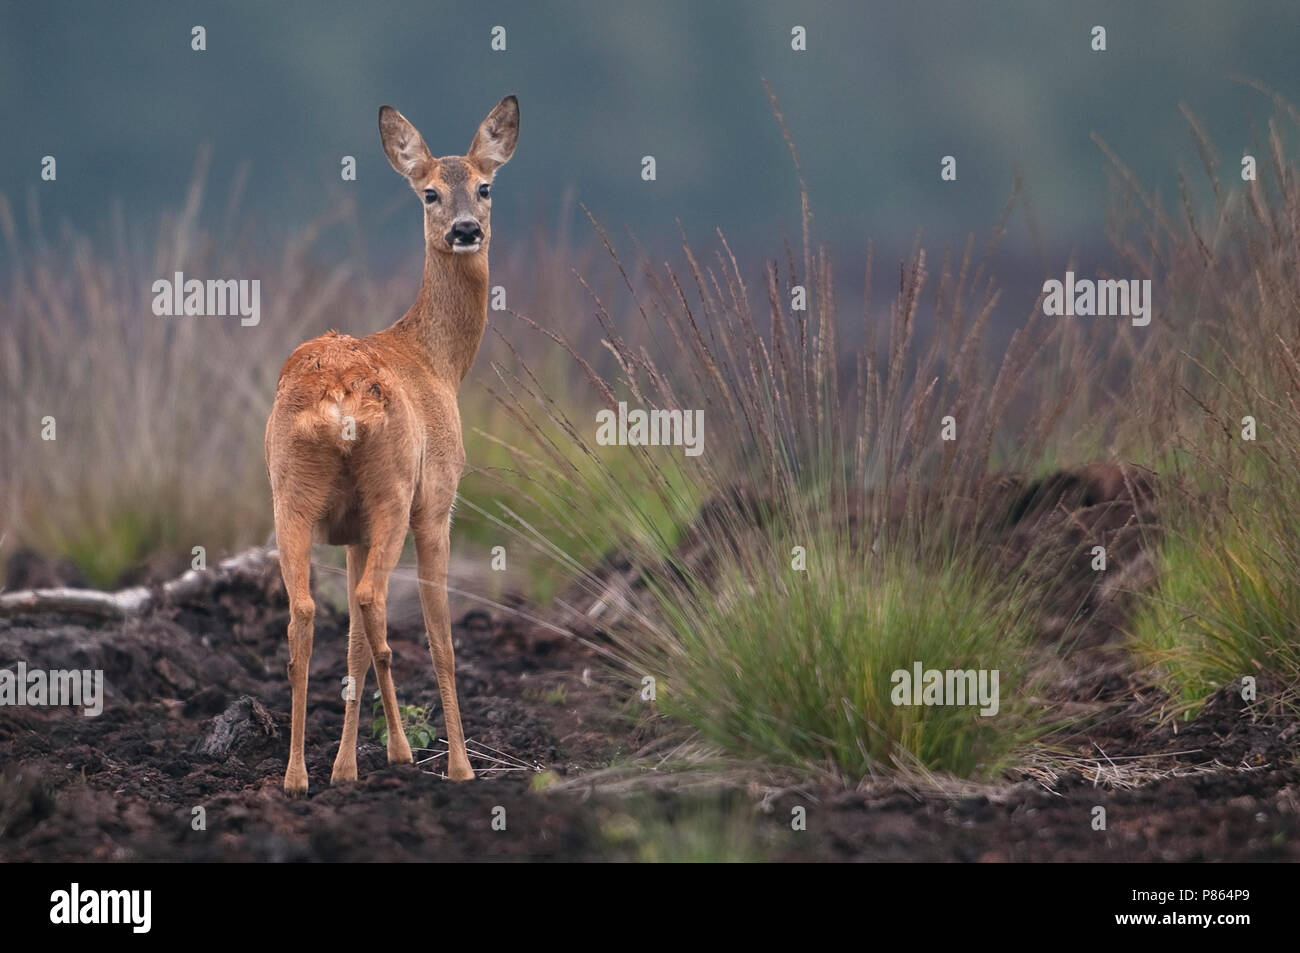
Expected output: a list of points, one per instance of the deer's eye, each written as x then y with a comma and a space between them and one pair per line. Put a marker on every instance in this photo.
430, 196
484, 190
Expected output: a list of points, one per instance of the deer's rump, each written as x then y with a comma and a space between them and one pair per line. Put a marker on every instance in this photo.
335, 391
340, 420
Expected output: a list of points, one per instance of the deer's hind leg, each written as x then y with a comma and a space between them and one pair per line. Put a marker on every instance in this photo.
387, 525
293, 539
300, 481
345, 762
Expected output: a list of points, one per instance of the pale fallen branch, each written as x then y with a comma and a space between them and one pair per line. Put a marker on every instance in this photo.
138, 600
108, 605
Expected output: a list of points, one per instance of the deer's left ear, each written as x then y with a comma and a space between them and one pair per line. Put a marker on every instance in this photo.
494, 143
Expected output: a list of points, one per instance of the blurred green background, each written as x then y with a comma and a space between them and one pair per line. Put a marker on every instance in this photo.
884, 90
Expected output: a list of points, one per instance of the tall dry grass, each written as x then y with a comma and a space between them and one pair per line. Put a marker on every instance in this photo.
812, 444
1226, 265
159, 420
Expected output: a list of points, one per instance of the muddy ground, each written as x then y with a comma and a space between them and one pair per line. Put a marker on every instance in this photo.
197, 717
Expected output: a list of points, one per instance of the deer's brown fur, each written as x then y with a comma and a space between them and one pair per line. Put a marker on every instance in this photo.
364, 442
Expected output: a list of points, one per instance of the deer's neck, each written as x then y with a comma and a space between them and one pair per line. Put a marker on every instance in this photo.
447, 320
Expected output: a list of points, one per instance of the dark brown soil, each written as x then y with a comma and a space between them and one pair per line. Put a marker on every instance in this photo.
196, 716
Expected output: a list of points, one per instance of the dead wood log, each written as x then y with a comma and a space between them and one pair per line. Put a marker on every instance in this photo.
138, 600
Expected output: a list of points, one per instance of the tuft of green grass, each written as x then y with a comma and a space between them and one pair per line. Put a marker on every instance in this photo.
805, 669
1227, 607
1227, 270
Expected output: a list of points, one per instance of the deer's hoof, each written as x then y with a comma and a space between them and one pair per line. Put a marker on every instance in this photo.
400, 754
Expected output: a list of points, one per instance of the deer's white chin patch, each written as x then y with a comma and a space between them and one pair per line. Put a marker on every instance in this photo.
466, 249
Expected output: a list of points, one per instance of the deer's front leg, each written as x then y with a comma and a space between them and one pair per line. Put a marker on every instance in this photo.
432, 529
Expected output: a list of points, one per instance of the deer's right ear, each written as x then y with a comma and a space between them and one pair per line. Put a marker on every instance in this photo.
403, 143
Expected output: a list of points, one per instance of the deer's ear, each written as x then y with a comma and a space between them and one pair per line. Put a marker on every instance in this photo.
494, 143
403, 143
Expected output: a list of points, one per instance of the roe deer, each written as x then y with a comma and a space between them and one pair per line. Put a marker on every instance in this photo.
364, 441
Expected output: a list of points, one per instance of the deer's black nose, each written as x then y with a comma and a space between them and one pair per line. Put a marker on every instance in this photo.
464, 232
